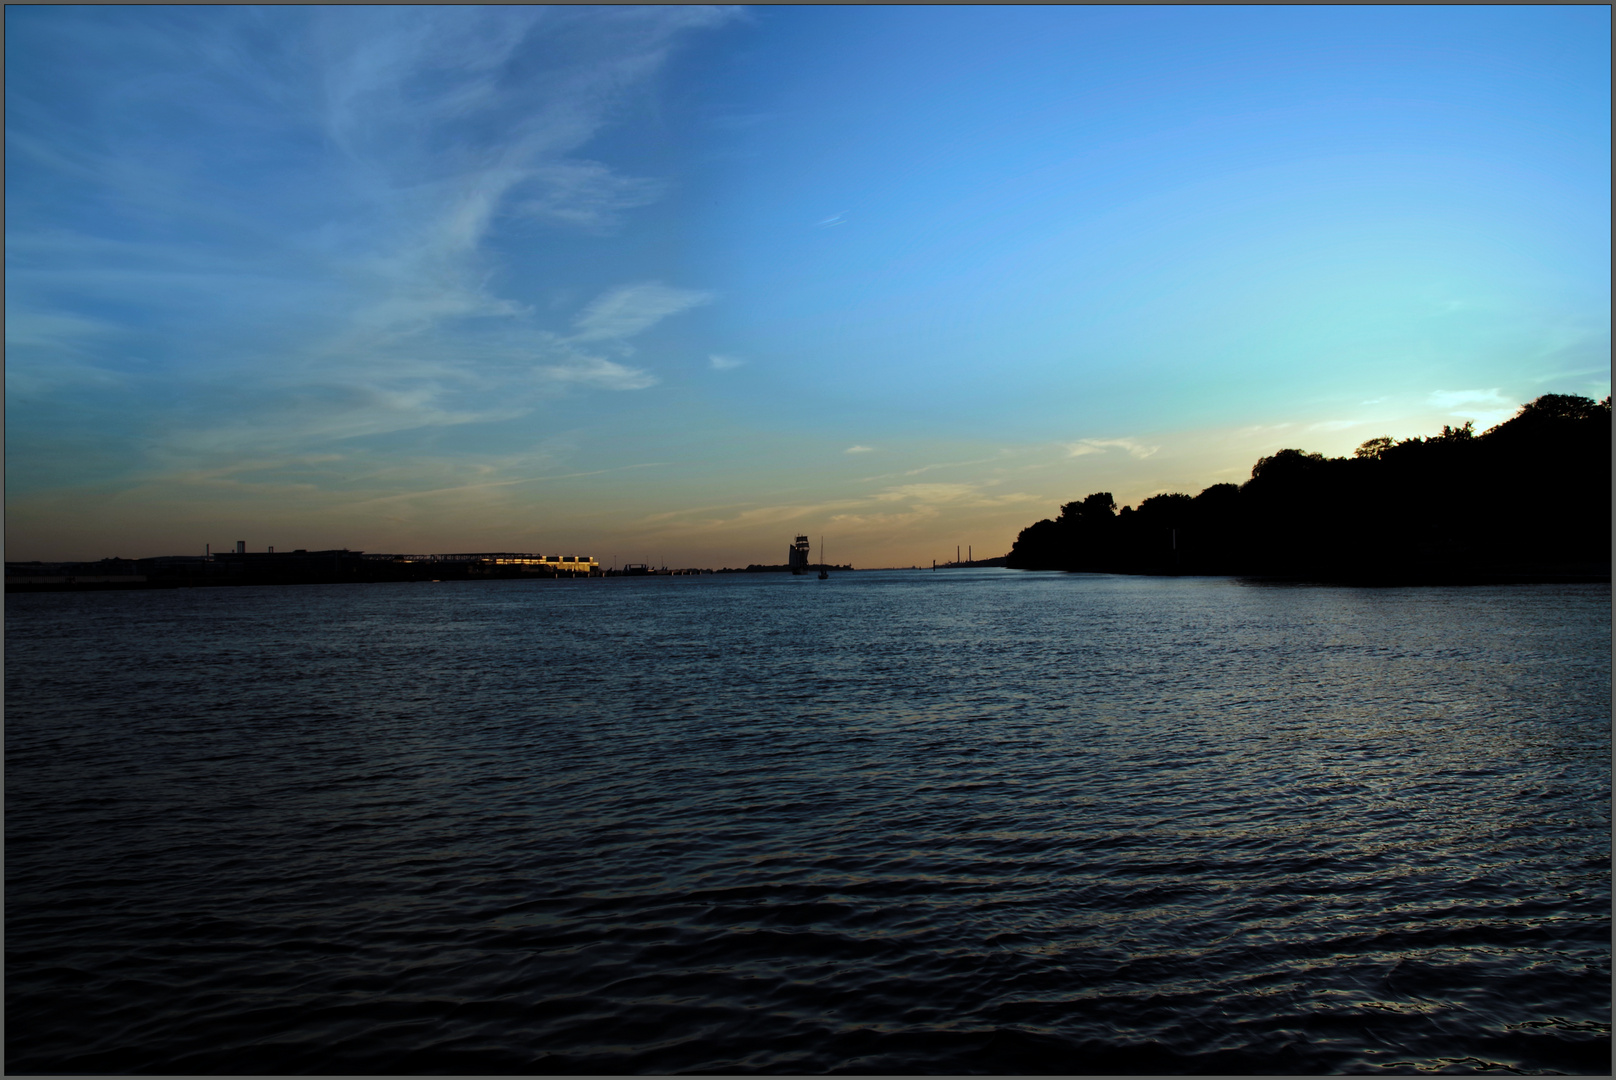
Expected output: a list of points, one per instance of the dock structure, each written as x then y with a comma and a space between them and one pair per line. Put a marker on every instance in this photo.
504, 564
519, 561
636, 569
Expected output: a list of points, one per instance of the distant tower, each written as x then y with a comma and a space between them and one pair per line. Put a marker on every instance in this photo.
797, 555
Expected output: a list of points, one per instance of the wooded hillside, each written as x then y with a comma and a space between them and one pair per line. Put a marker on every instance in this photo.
1528, 498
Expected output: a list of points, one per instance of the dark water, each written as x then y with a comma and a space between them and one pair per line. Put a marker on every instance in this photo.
976, 821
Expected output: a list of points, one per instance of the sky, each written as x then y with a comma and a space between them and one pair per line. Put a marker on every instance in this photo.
674, 285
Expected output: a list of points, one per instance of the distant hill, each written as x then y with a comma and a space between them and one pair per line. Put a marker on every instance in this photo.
1527, 500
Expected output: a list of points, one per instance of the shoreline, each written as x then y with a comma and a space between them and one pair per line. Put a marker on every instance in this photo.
1574, 574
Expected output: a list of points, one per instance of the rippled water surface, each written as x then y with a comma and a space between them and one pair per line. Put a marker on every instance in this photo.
971, 821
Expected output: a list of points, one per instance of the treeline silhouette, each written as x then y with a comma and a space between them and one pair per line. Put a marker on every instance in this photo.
1527, 500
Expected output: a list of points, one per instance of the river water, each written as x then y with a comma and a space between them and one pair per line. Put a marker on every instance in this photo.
963, 821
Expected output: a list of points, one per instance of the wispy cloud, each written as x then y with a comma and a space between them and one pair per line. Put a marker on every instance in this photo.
605, 374
338, 264
586, 194
1264, 430
858, 450
1453, 399
931, 493
960, 493
1485, 407
631, 309
934, 466
1100, 446
724, 363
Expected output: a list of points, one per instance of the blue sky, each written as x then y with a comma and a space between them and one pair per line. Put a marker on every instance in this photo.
675, 284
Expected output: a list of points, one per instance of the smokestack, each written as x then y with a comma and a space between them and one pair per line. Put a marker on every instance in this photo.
241, 547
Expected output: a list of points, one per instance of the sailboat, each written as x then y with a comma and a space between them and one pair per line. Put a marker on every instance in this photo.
823, 573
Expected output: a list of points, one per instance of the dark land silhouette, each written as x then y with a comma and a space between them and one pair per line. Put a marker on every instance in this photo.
320, 568
967, 564
298, 567
1528, 500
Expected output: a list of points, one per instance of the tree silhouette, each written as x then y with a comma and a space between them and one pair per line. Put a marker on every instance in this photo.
1416, 509
1375, 448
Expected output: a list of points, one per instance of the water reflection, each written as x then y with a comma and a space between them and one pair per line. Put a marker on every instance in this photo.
996, 822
